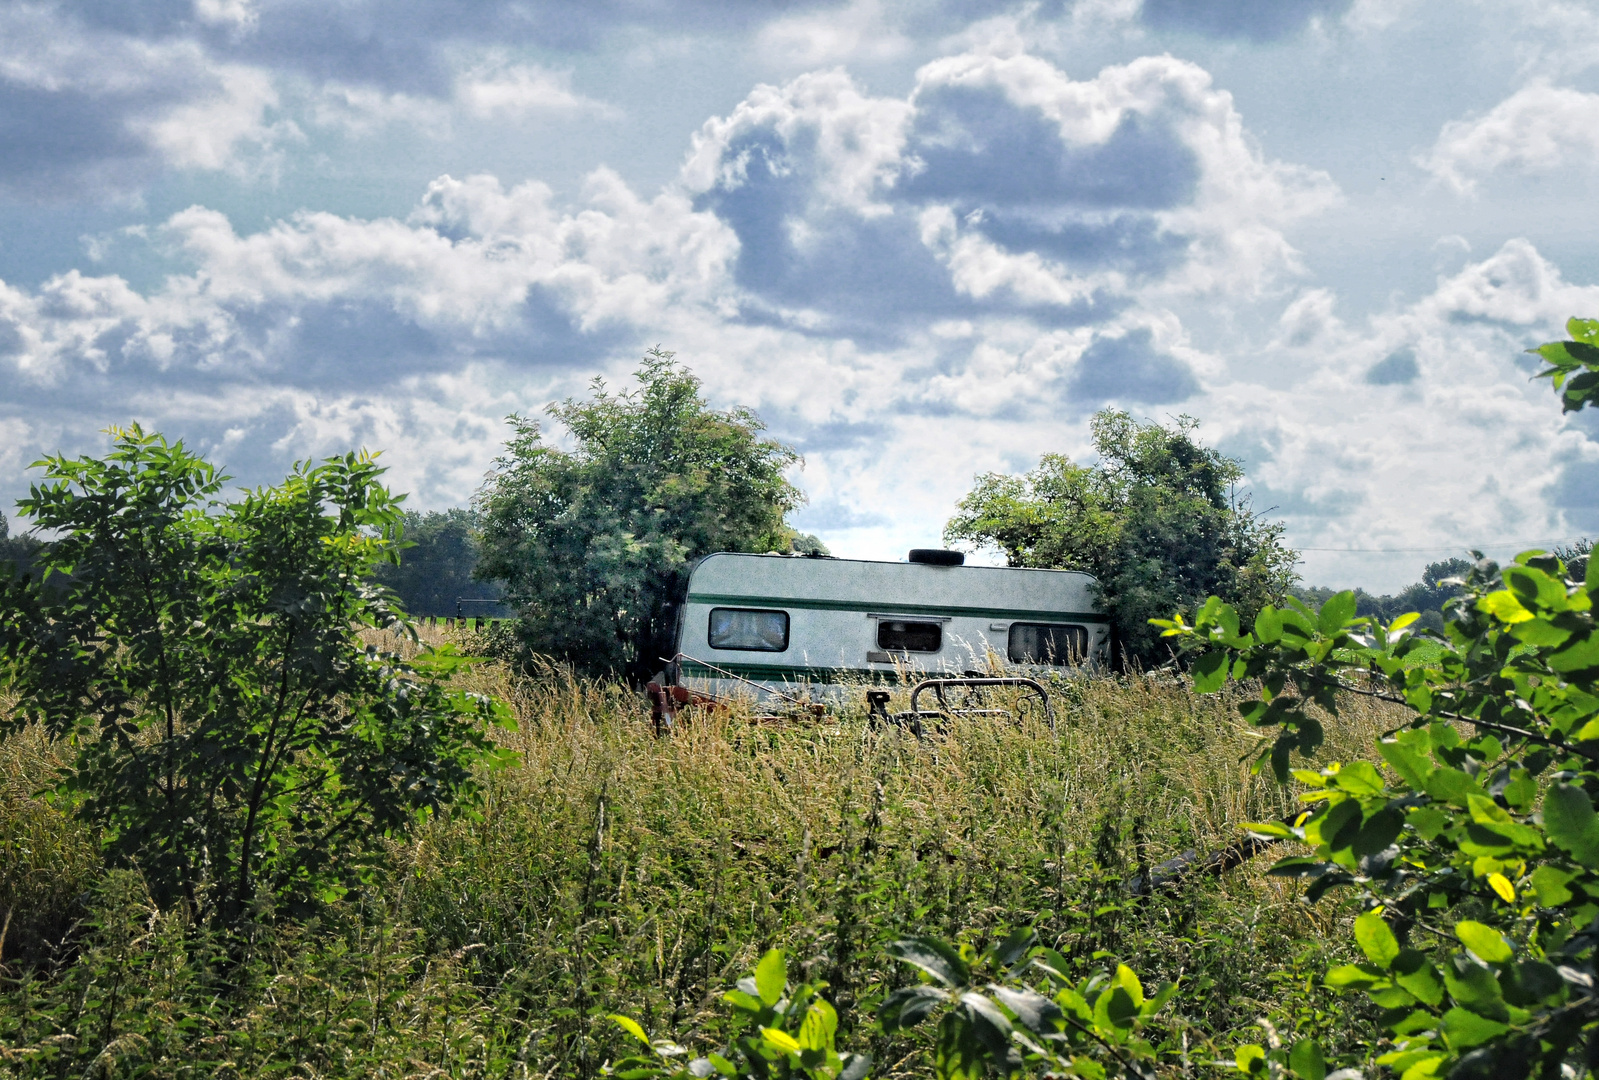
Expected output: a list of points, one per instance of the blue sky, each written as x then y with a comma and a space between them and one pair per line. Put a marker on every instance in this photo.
923, 239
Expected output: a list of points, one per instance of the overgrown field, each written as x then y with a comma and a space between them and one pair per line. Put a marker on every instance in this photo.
612, 871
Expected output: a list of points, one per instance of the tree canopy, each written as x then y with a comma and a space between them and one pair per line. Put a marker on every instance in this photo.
594, 543
1157, 520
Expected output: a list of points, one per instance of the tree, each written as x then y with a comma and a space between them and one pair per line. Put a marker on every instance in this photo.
16, 552
1476, 854
436, 569
1156, 521
594, 544
236, 741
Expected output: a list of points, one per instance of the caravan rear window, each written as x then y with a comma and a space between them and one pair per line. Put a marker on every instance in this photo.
1047, 643
747, 628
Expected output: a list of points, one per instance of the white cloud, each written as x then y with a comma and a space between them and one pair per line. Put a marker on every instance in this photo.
206, 133
815, 39
236, 15
498, 90
1538, 129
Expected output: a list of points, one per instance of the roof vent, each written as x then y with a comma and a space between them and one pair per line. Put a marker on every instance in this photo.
937, 557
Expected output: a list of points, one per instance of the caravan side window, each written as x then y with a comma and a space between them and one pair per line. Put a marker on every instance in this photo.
897, 636
1047, 643
747, 628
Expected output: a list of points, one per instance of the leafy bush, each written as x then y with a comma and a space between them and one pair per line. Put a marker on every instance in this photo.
1157, 521
780, 1031
594, 544
1477, 855
233, 738
1061, 1026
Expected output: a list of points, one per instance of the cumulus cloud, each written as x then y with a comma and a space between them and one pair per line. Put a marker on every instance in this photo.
99, 98
1538, 129
999, 185
85, 111
1421, 426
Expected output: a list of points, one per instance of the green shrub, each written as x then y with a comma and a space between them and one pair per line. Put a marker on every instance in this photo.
231, 736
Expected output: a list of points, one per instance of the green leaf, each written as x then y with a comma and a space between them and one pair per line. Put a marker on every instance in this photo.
1541, 633
1306, 1060
629, 1025
1549, 884
909, 1006
1485, 941
1011, 950
817, 1029
1568, 819
932, 956
1578, 655
1413, 971
1269, 625
1428, 821
1465, 1029
1451, 785
1250, 1059
1359, 778
1475, 987
780, 1039
1413, 768
1376, 940
1347, 976
1336, 613
1210, 672
771, 975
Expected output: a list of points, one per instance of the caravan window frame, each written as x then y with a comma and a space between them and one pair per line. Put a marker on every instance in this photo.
937, 625
1077, 631
710, 629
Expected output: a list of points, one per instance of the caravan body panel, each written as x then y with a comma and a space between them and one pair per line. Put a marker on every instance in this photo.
803, 624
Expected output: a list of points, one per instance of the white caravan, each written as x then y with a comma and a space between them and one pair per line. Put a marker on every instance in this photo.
795, 624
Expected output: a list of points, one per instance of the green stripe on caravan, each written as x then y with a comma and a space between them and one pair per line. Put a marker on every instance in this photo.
887, 608
774, 672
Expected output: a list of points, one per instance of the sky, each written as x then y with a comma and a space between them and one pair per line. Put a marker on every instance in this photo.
925, 239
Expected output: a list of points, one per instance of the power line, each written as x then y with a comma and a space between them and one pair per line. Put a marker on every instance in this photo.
1519, 545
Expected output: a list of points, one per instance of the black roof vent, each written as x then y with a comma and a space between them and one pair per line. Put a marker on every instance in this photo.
937, 556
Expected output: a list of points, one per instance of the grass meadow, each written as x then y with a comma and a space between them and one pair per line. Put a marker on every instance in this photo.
612, 871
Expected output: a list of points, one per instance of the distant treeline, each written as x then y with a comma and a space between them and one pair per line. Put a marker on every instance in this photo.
434, 577
16, 550
1429, 595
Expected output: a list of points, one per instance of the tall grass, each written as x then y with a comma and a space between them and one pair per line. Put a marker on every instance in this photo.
614, 871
